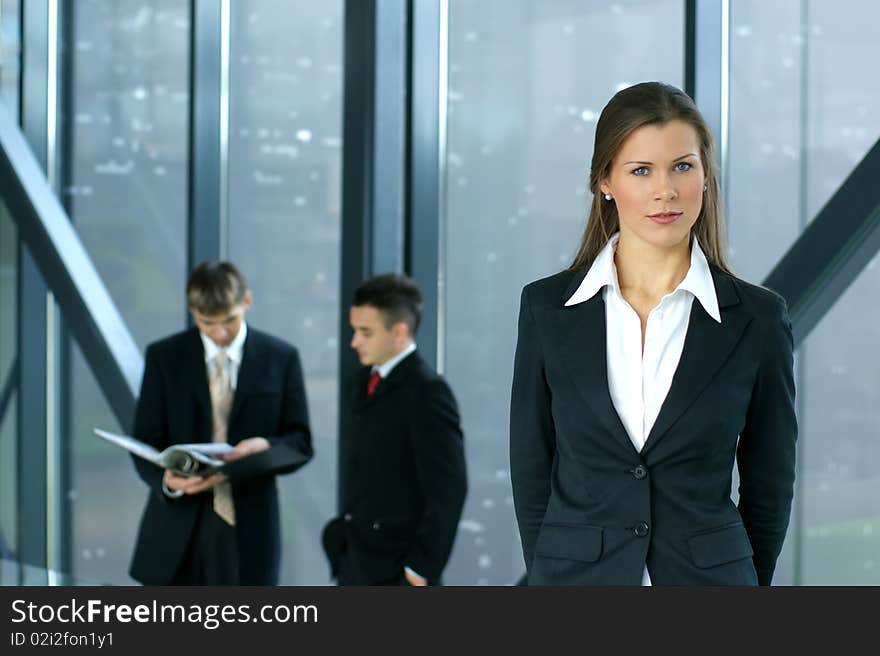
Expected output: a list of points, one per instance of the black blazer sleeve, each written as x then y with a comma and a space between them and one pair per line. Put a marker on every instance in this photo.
438, 452
150, 421
291, 446
766, 450
532, 433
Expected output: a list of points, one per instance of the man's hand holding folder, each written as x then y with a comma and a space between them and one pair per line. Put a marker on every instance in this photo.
198, 484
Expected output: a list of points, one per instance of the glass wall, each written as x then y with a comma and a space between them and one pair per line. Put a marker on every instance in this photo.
840, 529
125, 187
527, 81
10, 51
840, 449
285, 162
805, 108
766, 133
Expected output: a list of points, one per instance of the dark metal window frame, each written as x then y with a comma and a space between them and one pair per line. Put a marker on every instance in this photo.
375, 120
32, 304
207, 229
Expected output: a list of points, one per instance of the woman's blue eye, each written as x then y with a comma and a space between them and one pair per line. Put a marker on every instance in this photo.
642, 170
686, 166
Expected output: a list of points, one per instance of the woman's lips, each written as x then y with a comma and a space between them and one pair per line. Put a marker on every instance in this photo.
664, 218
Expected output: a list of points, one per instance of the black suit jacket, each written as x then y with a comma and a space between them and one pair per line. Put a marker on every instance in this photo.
403, 476
175, 407
591, 509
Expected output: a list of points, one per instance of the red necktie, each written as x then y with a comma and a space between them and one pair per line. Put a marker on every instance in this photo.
374, 383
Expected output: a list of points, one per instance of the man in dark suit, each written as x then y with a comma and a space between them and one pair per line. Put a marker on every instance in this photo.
221, 381
403, 472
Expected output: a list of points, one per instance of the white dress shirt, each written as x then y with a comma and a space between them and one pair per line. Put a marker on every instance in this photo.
233, 354
385, 369
639, 381
233, 363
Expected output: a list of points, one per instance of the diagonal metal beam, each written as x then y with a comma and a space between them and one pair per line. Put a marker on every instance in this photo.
36, 339
8, 389
69, 272
832, 251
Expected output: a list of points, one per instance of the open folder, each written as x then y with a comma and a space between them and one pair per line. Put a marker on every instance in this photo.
197, 459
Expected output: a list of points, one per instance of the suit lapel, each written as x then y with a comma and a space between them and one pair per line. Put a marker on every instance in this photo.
584, 346
196, 368
397, 376
358, 388
362, 404
248, 372
707, 347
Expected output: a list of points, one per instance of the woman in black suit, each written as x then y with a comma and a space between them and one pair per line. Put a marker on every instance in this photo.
645, 370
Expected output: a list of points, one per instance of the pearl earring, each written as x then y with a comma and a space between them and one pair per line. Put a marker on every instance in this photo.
607, 196
705, 187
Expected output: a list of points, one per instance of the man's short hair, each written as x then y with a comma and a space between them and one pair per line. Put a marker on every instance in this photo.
215, 287
396, 297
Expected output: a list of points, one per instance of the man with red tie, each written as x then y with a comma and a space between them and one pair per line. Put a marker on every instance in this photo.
403, 476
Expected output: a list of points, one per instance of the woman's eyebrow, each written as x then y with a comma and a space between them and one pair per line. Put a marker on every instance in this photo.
645, 162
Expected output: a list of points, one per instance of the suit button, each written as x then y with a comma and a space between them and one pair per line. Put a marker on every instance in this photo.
639, 472
641, 530
347, 517
376, 526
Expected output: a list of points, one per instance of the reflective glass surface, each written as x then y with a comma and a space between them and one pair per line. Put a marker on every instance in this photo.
10, 52
125, 188
804, 110
285, 157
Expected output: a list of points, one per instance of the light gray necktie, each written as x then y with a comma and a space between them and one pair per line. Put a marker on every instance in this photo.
221, 404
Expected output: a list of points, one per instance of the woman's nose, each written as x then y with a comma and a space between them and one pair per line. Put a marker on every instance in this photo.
666, 190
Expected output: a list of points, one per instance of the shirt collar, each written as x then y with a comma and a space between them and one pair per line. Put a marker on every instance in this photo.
233, 351
385, 369
601, 273
698, 280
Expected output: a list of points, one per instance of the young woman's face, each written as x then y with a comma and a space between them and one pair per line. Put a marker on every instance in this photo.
657, 183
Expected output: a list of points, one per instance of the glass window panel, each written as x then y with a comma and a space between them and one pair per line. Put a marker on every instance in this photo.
527, 81
840, 534
106, 497
842, 91
126, 191
284, 228
840, 449
10, 52
766, 134
804, 111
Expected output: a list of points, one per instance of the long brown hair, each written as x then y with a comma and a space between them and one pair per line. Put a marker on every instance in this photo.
649, 103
